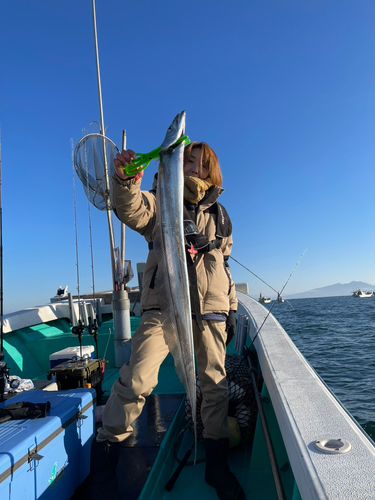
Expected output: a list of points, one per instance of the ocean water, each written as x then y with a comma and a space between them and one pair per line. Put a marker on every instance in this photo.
337, 337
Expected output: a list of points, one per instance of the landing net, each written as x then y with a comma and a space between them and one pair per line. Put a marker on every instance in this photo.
242, 403
92, 152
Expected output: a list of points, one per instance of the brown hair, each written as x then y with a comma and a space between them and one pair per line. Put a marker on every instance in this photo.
208, 159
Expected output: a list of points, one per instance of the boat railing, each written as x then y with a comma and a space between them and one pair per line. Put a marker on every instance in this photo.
310, 417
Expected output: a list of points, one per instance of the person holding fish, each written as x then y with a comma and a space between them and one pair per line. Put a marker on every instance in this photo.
207, 229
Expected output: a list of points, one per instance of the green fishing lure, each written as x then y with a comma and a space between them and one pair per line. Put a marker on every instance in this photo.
143, 160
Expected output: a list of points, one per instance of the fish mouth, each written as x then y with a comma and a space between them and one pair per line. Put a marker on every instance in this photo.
175, 131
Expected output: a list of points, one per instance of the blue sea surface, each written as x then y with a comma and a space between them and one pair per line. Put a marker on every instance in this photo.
337, 337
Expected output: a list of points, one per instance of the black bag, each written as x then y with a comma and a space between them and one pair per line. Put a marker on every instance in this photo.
22, 410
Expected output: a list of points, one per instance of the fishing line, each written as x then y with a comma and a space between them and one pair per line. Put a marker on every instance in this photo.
106, 347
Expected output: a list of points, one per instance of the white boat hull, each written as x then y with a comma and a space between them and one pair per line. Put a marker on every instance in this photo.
362, 294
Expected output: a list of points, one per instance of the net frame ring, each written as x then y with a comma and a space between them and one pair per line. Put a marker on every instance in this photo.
78, 166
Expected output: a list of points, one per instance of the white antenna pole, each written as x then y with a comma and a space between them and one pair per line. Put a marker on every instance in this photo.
120, 300
102, 131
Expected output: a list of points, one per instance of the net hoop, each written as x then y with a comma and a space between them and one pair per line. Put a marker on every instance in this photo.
90, 155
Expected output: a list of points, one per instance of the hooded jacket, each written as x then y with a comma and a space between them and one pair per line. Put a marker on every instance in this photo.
137, 209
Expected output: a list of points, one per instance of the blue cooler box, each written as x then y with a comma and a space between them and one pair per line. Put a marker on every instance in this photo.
47, 457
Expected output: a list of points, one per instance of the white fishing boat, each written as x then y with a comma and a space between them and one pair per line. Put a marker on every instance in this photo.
264, 300
293, 440
304, 444
280, 298
360, 293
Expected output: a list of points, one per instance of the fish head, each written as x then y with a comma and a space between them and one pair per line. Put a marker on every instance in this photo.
175, 130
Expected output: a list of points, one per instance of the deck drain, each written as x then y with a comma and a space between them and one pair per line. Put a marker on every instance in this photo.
332, 446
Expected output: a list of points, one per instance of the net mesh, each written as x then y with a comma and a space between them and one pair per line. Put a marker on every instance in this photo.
129, 273
90, 155
242, 403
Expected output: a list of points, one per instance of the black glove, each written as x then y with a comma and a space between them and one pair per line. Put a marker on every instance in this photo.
230, 327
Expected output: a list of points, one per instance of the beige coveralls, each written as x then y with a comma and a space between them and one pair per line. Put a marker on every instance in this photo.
216, 291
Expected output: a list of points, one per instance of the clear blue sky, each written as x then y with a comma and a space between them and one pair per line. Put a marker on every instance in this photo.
283, 91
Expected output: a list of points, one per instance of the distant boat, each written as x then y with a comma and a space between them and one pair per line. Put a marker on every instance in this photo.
280, 298
361, 293
264, 300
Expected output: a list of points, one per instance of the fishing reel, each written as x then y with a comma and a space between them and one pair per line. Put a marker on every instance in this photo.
78, 330
93, 329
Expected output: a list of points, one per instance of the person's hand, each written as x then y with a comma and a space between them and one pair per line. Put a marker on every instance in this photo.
230, 327
123, 158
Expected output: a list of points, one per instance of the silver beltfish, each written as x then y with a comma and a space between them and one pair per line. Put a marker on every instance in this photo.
172, 283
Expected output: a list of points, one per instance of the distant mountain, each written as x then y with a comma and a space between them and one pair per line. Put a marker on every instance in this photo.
333, 290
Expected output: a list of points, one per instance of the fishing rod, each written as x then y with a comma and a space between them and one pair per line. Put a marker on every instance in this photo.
77, 329
1, 263
122, 286
93, 326
247, 350
182, 464
102, 131
247, 269
4, 370
185, 459
120, 252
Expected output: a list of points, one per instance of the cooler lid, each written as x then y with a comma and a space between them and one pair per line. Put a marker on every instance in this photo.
70, 352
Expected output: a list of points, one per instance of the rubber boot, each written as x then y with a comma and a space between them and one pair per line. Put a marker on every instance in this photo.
102, 481
218, 475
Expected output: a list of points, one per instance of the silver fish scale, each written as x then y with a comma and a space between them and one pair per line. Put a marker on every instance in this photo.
172, 284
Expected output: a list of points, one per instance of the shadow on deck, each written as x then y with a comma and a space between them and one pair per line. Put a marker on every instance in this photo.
139, 451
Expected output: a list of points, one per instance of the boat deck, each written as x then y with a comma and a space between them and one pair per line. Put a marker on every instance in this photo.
147, 458
298, 408
140, 451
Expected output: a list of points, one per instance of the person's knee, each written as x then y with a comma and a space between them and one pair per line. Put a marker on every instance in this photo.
134, 388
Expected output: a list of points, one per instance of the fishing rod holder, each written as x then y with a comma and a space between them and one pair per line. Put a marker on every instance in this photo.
121, 326
242, 331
